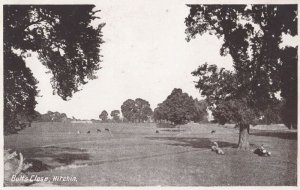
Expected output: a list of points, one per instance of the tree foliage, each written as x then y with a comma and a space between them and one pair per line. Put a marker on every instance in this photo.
19, 92
223, 95
115, 114
201, 108
252, 36
103, 116
51, 117
66, 42
289, 76
272, 115
137, 110
180, 108
129, 110
144, 110
256, 53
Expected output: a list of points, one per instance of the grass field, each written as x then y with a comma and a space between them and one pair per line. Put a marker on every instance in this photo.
135, 155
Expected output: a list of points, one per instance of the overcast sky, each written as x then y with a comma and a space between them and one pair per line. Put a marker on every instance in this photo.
145, 55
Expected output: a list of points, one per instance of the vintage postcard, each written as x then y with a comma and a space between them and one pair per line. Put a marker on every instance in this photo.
156, 94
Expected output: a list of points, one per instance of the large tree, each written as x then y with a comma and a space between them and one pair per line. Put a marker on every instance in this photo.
160, 113
179, 108
128, 110
251, 36
137, 110
144, 111
19, 92
66, 42
289, 86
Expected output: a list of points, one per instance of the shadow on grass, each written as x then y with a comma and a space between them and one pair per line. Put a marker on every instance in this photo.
173, 130
53, 156
37, 165
191, 142
164, 125
279, 134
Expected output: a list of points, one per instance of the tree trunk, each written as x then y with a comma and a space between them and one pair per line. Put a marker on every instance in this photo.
244, 137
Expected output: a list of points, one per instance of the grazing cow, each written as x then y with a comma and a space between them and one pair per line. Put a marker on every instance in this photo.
156, 131
88, 132
98, 131
217, 149
106, 129
213, 131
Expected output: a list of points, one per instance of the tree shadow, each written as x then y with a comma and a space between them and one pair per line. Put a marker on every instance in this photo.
191, 142
68, 159
37, 165
46, 158
279, 134
173, 130
165, 125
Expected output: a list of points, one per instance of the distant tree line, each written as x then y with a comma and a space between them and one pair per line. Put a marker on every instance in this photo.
178, 108
52, 117
115, 116
137, 110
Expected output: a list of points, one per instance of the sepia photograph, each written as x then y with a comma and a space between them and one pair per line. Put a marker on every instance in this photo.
164, 93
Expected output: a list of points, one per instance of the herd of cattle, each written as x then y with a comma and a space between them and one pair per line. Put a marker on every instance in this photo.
98, 131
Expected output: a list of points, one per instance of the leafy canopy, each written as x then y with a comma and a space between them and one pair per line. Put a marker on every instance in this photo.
179, 108
19, 92
66, 42
62, 35
251, 36
104, 115
115, 114
136, 110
